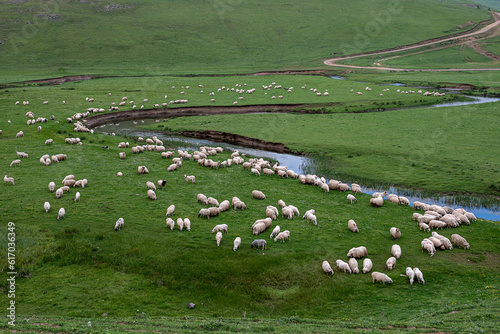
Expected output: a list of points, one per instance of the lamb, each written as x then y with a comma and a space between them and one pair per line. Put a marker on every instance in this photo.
353, 265
281, 203
7, 179
46, 206
212, 201
367, 265
380, 277
343, 266
202, 198
258, 194
391, 263
428, 246
283, 236
52, 187
61, 213
259, 243
357, 252
142, 170
351, 198
312, 218
170, 210
59, 193
16, 162
218, 238
327, 268
275, 231
308, 212
396, 251
170, 223
411, 274
236, 243
395, 233
180, 223
189, 178
459, 241
150, 185
119, 224
424, 226
151, 194
352, 226
77, 196
418, 275
219, 228
376, 202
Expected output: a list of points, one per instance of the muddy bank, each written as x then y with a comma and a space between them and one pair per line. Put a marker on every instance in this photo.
61, 80
161, 113
234, 139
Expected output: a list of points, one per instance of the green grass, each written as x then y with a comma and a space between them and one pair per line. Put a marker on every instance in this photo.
151, 37
79, 268
417, 147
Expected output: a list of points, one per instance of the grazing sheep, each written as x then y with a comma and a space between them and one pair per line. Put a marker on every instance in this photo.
236, 243
418, 275
189, 178
202, 198
255, 171
367, 265
271, 213
258, 228
275, 231
424, 226
353, 265
352, 226
212, 201
351, 198
258, 194
59, 193
327, 268
380, 277
393, 198
376, 202
411, 274
142, 170
65, 188
438, 244
239, 205
312, 218
395, 233
281, 203
61, 214
396, 251
7, 179
343, 266
283, 236
119, 224
16, 162
218, 238
259, 243
446, 242
180, 223
470, 216
224, 206
219, 228
46, 206
69, 182
459, 241
170, 210
403, 201
161, 183
119, 174
52, 187
308, 212
122, 155
214, 211
151, 194
170, 223
391, 263
77, 196
150, 185
357, 252
428, 246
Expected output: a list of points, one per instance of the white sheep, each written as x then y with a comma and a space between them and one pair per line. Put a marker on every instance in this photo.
459, 241
312, 218
343, 266
357, 252
142, 170
255, 171
236, 243
380, 277
218, 238
46, 206
213, 201
189, 178
428, 246
122, 155
61, 214
59, 193
351, 224
396, 251
281, 203
150, 185
258, 228
180, 223
327, 268
367, 265
379, 194
16, 162
202, 198
119, 224
376, 202
351, 198
446, 242
424, 226
275, 231
52, 187
224, 206
151, 194
353, 265
395, 233
170, 223
219, 228
418, 275
391, 263
258, 194
282, 236
77, 196
410, 274
170, 210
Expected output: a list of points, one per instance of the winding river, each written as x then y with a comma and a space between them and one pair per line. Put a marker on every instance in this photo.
314, 165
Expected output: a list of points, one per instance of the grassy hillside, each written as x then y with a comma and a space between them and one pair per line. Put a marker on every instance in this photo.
68, 37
